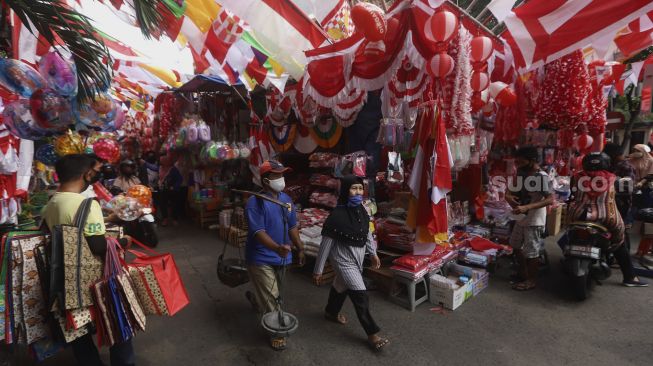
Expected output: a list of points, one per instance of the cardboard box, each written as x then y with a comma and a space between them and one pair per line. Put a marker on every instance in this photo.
450, 298
554, 220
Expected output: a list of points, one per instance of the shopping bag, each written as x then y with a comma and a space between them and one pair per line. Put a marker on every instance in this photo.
148, 290
167, 276
81, 268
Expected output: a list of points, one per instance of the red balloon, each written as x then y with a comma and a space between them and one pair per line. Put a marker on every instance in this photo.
480, 81
584, 142
441, 26
369, 19
107, 149
482, 48
440, 65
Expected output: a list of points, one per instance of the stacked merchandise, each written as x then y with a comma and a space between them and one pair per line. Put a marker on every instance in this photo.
23, 305
310, 223
324, 185
323, 160
326, 199
324, 180
415, 267
393, 233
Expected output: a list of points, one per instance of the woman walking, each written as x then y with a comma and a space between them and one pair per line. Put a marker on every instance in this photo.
346, 237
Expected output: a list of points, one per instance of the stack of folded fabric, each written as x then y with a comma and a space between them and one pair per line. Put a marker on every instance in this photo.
395, 234
326, 181
323, 160
324, 199
412, 267
312, 238
312, 216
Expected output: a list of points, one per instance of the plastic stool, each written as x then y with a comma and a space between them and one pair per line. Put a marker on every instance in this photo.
409, 301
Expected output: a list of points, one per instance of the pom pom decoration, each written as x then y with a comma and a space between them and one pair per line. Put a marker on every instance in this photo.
70, 143
50, 110
502, 94
142, 194
482, 48
126, 208
59, 74
441, 26
107, 149
584, 143
46, 154
17, 117
19, 78
440, 65
480, 81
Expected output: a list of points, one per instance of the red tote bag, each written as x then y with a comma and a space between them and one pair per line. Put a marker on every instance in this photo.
167, 275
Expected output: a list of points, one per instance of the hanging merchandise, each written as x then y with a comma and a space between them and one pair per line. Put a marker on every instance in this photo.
59, 74
51, 110
304, 143
565, 93
457, 88
19, 78
369, 19
69, 143
354, 163
203, 132
278, 107
46, 154
326, 132
142, 194
17, 117
395, 168
107, 149
282, 137
125, 207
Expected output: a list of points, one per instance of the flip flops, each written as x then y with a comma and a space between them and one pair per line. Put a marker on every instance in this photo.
278, 344
379, 344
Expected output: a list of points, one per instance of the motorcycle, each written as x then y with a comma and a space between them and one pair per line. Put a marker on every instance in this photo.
143, 228
585, 253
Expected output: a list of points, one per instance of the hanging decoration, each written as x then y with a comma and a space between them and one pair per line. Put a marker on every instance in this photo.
282, 137
19, 77
69, 143
107, 149
502, 94
565, 93
369, 19
457, 88
326, 132
46, 154
481, 50
440, 65
304, 143
59, 74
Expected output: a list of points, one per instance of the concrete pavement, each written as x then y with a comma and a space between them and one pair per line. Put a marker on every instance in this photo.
499, 327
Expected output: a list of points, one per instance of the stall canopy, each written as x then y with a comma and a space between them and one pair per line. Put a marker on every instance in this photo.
207, 83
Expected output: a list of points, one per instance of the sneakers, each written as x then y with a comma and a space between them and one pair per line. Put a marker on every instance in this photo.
635, 283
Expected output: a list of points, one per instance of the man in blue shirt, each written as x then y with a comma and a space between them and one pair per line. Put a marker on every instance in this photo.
272, 228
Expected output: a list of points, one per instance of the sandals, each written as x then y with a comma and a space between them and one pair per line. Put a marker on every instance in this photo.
338, 319
379, 344
523, 286
278, 344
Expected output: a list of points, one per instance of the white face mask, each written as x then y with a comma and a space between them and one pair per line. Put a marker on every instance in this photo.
277, 185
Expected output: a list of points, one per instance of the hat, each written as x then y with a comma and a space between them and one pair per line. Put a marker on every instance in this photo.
272, 166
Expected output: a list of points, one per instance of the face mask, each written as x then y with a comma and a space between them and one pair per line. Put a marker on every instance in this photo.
355, 200
96, 178
277, 185
637, 155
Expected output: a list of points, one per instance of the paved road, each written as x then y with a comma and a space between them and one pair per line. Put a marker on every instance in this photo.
499, 327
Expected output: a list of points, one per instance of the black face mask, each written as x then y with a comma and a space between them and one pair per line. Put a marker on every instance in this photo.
96, 178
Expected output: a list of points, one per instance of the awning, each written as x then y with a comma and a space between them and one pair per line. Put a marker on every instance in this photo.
208, 83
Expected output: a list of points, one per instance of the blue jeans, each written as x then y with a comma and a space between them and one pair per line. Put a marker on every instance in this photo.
86, 353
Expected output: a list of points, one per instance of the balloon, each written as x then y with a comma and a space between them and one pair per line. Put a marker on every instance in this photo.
502, 94
482, 48
46, 154
369, 20
142, 194
20, 78
86, 115
70, 143
441, 26
107, 149
50, 110
18, 119
59, 74
102, 104
480, 81
126, 208
120, 118
440, 65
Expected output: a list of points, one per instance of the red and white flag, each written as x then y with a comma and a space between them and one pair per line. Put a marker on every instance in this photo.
639, 35
545, 30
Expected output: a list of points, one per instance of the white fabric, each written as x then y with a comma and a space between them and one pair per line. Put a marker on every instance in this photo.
25, 159
9, 161
501, 8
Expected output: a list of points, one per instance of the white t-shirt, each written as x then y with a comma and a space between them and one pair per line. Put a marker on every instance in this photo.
540, 191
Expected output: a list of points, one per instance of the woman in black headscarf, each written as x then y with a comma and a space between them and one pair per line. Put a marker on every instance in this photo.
346, 237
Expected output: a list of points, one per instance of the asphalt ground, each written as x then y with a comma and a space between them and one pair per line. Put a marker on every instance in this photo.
545, 326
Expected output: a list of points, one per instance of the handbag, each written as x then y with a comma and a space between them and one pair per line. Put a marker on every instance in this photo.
167, 276
148, 290
233, 271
